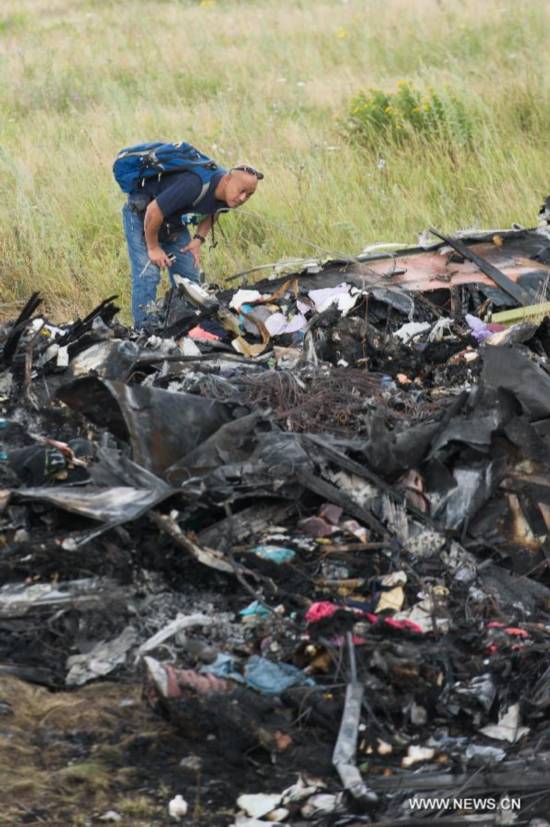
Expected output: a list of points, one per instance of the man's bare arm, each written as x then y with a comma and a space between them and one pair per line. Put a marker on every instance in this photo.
151, 225
205, 226
194, 246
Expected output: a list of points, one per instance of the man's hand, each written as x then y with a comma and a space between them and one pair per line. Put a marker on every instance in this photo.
194, 247
158, 257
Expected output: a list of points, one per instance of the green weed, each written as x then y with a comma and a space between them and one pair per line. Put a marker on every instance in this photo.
393, 117
13, 22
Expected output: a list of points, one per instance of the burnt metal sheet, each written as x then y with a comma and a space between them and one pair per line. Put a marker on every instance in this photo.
111, 505
523, 257
161, 426
514, 290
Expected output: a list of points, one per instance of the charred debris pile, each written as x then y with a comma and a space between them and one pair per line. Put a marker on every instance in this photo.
312, 515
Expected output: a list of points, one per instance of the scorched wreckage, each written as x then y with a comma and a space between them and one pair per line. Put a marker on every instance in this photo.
311, 514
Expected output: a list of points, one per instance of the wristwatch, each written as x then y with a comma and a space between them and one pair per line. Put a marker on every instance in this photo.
200, 237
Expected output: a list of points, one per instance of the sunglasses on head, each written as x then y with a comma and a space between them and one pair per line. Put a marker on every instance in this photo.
250, 170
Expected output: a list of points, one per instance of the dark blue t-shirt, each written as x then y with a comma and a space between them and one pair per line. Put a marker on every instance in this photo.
175, 195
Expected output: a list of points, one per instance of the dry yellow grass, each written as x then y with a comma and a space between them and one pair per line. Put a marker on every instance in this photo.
61, 759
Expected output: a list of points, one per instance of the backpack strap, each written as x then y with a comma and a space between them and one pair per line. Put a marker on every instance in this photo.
202, 193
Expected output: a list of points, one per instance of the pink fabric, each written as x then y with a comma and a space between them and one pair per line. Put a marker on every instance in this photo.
318, 611
512, 630
322, 609
515, 631
199, 333
403, 624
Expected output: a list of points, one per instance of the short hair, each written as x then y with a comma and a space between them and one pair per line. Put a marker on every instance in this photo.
251, 170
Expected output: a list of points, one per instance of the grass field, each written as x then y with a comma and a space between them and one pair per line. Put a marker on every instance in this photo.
68, 757
271, 83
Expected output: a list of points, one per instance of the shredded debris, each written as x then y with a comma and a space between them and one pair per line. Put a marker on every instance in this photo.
311, 516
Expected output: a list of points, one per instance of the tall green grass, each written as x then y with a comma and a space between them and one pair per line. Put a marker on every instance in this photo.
273, 84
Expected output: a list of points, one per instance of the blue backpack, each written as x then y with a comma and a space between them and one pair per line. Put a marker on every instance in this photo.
136, 163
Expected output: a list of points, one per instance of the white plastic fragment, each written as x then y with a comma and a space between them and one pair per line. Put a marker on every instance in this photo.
322, 803
340, 295
346, 301
194, 292
188, 347
440, 328
508, 727
383, 747
181, 622
416, 754
101, 659
63, 357
277, 324
178, 807
111, 815
49, 353
411, 329
37, 324
277, 815
303, 788
244, 297
258, 804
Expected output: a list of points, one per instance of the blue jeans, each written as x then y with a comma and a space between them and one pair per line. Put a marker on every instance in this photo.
145, 275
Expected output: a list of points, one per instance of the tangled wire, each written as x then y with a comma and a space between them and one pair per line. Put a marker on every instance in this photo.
339, 401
